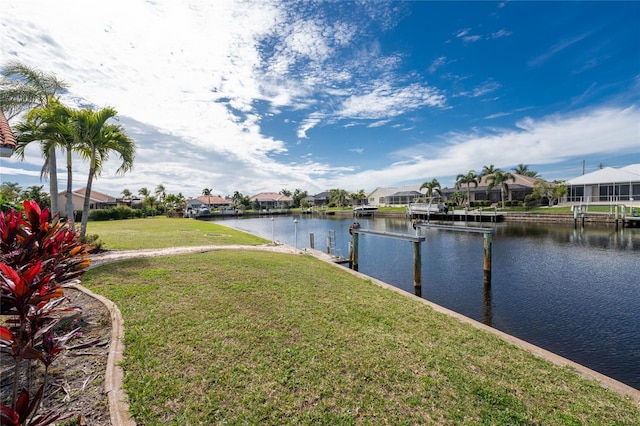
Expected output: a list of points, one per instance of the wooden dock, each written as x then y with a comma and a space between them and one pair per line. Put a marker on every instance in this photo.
460, 216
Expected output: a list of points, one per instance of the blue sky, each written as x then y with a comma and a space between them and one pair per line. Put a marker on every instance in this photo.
259, 96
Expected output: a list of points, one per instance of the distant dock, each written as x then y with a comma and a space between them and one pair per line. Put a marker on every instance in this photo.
458, 216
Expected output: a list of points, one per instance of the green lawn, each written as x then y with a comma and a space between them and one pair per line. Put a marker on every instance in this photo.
160, 232
237, 337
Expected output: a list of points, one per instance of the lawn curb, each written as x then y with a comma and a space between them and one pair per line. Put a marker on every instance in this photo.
118, 404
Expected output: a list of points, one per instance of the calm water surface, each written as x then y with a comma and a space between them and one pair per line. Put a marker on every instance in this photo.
575, 292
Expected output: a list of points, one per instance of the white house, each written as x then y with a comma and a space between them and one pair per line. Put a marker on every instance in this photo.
394, 196
606, 185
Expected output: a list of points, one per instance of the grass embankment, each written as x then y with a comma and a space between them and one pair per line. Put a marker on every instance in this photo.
236, 337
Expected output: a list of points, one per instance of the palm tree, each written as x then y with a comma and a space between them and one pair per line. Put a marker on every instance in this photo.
126, 194
52, 126
523, 169
432, 186
22, 88
470, 178
486, 171
500, 179
97, 140
161, 193
207, 193
338, 196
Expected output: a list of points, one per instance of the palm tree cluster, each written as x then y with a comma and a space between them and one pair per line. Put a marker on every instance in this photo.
85, 132
493, 177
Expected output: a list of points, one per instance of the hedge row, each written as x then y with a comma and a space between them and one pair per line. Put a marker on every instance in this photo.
118, 213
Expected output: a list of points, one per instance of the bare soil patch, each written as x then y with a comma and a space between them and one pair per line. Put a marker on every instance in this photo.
76, 383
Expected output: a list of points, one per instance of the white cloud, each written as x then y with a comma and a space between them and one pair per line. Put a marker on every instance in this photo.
385, 101
552, 139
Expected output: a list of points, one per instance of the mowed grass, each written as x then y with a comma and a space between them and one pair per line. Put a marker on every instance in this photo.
161, 232
233, 337
262, 338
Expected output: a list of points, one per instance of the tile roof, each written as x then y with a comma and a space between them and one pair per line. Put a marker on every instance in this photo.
7, 140
270, 196
213, 199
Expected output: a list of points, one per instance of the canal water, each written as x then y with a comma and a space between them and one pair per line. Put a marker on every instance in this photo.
574, 292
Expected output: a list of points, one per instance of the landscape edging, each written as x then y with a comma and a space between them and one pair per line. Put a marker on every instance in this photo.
118, 403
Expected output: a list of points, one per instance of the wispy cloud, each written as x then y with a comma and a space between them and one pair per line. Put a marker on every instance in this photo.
497, 115
484, 89
555, 49
501, 33
438, 63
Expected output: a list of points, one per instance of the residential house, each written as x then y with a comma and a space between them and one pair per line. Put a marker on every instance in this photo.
272, 200
206, 201
518, 190
321, 199
7, 140
97, 200
395, 196
606, 185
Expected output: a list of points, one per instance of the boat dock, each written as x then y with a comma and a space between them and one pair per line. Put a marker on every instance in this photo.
457, 216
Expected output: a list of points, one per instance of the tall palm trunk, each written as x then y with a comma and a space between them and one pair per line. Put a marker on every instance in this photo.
69, 193
53, 181
87, 197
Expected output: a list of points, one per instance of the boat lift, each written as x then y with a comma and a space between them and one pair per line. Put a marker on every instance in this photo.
417, 239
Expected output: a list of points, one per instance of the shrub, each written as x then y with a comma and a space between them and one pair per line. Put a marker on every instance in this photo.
37, 259
115, 213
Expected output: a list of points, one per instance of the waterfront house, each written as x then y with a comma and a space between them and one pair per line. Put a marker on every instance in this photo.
606, 185
272, 200
518, 190
322, 199
395, 196
209, 202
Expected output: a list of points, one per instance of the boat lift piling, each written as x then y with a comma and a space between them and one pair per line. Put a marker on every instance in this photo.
487, 243
417, 239
417, 257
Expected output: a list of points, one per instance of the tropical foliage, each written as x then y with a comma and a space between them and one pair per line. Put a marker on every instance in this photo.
97, 139
37, 259
433, 187
523, 169
22, 88
552, 191
51, 125
467, 179
500, 179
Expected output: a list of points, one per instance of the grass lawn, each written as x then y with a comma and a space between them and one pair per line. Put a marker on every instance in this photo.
234, 337
161, 232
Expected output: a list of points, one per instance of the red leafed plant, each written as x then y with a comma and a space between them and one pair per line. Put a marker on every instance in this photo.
38, 258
